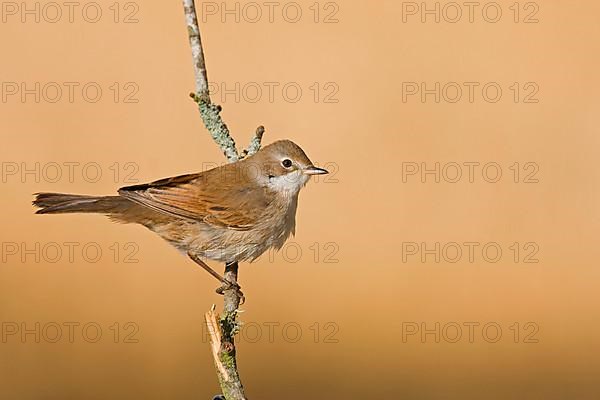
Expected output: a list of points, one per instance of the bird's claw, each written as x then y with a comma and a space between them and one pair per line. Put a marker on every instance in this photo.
227, 285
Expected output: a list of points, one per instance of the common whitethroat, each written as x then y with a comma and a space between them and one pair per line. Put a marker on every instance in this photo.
231, 213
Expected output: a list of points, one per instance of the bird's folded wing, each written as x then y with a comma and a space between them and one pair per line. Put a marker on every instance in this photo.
201, 197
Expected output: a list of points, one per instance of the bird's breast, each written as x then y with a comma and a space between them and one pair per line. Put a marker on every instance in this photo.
279, 223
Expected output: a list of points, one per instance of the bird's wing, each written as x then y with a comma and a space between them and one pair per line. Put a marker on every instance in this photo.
205, 197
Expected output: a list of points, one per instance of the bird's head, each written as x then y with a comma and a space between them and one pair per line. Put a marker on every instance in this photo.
284, 167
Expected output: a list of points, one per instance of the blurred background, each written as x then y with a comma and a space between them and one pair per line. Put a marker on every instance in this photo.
452, 253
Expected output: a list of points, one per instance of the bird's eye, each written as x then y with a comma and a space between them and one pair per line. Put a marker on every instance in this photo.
286, 163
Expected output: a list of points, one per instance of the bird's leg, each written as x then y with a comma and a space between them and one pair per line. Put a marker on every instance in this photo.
225, 282
208, 269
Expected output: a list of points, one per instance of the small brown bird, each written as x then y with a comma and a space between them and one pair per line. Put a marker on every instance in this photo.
231, 213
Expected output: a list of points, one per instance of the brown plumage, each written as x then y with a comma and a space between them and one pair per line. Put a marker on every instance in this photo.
231, 213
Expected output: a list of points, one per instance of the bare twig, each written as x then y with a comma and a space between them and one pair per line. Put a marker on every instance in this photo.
197, 51
254, 145
222, 329
214, 333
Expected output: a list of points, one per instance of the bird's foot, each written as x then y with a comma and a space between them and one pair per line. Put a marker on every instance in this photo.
227, 285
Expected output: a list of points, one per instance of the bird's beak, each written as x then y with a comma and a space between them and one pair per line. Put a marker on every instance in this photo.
312, 170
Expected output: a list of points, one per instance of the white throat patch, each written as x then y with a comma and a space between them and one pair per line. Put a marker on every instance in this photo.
289, 184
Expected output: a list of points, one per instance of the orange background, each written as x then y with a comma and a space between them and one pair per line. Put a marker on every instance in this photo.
365, 209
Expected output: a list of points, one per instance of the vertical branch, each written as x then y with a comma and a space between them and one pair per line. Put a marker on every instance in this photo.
208, 111
231, 296
221, 329
197, 51
222, 342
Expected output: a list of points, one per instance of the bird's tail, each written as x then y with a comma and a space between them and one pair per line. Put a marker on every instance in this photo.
59, 203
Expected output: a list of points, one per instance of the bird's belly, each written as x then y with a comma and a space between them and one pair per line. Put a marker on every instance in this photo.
231, 246
221, 244
228, 245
